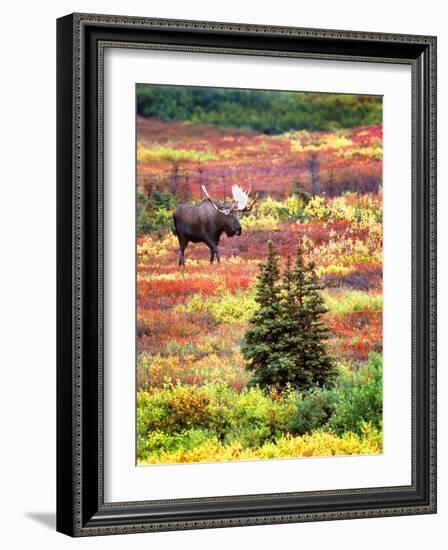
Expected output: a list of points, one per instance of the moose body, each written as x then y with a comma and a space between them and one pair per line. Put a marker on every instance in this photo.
206, 222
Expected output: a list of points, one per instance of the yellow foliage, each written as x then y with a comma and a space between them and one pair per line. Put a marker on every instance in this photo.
317, 208
169, 154
333, 269
201, 365
344, 251
309, 142
265, 223
318, 443
363, 213
155, 248
375, 153
350, 301
226, 307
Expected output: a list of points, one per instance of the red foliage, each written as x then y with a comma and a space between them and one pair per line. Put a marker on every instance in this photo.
246, 158
355, 335
270, 167
177, 288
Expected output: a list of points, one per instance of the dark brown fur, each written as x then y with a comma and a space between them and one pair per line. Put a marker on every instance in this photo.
202, 223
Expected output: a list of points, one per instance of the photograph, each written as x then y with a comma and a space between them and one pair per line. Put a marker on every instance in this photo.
259, 274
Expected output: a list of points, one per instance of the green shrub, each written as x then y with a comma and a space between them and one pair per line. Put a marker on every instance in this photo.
180, 418
155, 213
144, 218
312, 411
356, 400
259, 417
250, 417
359, 398
158, 442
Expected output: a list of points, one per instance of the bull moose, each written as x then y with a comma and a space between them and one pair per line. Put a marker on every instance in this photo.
207, 221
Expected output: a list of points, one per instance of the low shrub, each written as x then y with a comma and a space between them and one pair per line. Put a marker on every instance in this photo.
352, 301
155, 213
269, 213
257, 223
159, 443
189, 423
362, 211
312, 411
251, 416
356, 399
161, 153
155, 248
318, 444
359, 398
225, 307
195, 368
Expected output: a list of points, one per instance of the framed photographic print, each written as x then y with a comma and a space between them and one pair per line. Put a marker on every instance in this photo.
246, 274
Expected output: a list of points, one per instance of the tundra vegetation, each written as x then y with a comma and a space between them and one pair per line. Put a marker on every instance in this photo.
211, 383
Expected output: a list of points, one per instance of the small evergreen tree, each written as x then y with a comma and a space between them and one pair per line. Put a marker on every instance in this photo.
285, 344
262, 343
313, 366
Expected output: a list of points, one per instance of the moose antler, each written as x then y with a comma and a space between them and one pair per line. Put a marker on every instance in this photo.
218, 208
240, 201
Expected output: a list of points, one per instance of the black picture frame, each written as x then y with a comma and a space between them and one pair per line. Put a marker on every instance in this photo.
81, 510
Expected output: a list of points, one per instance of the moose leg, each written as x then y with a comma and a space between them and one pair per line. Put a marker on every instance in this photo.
213, 252
183, 242
213, 249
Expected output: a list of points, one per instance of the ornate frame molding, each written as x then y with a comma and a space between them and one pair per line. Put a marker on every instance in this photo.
81, 42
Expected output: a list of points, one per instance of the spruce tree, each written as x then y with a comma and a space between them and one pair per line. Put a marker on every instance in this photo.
313, 366
261, 344
295, 323
285, 344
